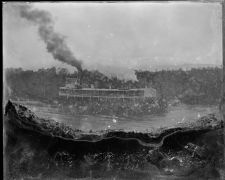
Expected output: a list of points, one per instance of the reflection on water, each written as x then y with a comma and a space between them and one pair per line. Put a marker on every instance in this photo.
175, 115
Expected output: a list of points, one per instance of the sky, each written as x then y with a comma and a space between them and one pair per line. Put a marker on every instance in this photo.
119, 37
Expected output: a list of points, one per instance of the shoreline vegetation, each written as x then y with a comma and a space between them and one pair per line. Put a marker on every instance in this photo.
203, 84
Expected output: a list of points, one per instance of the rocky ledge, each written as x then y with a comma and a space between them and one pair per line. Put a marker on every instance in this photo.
34, 144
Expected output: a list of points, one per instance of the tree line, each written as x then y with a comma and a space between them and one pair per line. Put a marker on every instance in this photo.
194, 86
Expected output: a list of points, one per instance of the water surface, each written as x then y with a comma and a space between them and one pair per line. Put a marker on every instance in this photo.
175, 115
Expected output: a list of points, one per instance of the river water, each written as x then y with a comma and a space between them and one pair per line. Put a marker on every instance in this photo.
175, 115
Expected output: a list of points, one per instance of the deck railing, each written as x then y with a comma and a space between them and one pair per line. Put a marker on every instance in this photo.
103, 93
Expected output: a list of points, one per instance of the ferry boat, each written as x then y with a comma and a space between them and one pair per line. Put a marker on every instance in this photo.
72, 90
94, 100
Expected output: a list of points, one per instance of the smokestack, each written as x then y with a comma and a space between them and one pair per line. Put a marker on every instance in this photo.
55, 42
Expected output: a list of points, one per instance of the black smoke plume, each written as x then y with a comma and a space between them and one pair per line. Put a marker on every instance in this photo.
54, 41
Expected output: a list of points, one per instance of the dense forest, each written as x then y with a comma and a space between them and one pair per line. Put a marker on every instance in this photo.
194, 86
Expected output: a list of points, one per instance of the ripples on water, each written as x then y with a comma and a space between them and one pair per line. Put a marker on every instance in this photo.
174, 116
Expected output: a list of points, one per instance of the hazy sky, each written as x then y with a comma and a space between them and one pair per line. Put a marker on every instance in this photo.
125, 35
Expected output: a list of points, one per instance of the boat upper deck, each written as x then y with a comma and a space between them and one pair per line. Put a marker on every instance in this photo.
107, 93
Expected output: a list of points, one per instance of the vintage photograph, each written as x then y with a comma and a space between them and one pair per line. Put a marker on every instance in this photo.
113, 90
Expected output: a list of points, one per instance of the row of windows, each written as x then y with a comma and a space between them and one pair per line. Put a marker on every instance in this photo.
102, 93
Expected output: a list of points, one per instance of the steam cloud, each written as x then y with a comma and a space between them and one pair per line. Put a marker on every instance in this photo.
55, 43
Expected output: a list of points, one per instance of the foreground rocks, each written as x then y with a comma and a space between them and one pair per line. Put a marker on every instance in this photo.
44, 149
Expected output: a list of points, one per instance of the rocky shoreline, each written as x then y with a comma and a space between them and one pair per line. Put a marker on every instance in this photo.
38, 147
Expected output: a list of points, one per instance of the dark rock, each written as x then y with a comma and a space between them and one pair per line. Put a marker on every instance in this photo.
154, 156
170, 163
196, 151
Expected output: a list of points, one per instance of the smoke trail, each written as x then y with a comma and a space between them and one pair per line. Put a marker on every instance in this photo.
55, 43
